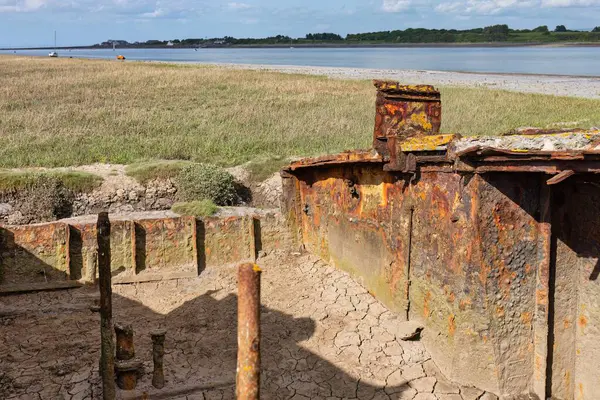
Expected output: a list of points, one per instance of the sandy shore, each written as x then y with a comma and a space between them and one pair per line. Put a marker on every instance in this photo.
576, 86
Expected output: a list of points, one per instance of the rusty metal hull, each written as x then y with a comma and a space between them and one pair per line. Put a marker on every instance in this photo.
141, 250
468, 255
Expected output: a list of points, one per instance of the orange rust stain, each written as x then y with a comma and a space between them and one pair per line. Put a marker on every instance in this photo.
499, 311
207, 251
526, 317
485, 339
426, 304
464, 303
451, 324
583, 321
566, 323
528, 268
452, 297
541, 297
580, 390
567, 379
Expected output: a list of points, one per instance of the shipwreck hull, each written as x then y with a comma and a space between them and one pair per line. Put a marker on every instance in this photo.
491, 243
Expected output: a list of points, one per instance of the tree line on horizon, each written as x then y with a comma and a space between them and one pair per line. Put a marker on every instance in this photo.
488, 34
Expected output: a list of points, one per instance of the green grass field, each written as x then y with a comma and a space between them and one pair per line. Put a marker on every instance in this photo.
63, 112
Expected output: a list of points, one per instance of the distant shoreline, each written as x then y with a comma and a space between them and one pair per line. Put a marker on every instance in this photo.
559, 85
325, 45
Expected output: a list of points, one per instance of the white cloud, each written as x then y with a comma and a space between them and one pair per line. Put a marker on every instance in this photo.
21, 5
154, 14
569, 3
238, 6
491, 7
482, 7
128, 8
394, 6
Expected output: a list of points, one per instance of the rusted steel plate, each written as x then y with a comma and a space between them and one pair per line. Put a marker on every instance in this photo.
576, 306
34, 253
141, 250
165, 245
228, 240
341, 158
459, 254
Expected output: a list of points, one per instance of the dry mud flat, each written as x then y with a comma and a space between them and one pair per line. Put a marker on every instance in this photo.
576, 86
323, 337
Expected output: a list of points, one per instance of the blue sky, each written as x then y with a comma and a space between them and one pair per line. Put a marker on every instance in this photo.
79, 22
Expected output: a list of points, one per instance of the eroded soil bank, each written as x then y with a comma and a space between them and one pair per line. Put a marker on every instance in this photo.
118, 193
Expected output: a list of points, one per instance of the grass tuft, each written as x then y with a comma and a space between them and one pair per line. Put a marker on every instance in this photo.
76, 181
198, 208
162, 169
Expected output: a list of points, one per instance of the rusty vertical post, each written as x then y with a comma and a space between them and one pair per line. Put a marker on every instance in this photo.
158, 352
125, 349
248, 359
543, 324
107, 362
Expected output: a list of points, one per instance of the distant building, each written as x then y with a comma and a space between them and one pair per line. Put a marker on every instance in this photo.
169, 43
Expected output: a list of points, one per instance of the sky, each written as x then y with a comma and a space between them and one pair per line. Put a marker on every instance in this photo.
83, 22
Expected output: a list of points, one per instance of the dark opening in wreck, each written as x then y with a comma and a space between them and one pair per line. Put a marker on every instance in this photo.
491, 242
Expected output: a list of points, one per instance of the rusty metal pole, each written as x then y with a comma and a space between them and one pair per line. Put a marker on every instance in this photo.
125, 349
158, 352
248, 360
107, 361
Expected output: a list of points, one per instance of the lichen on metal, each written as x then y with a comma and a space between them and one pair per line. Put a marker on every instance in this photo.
427, 143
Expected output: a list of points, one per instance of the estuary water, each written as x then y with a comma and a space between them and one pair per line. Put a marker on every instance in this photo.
572, 60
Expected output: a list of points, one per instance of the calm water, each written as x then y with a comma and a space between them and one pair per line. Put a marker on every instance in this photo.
530, 60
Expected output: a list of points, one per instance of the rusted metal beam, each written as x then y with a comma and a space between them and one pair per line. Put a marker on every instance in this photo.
560, 177
248, 359
158, 353
125, 349
107, 362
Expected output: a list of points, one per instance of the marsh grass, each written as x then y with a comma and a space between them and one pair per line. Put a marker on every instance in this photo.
161, 169
63, 112
198, 208
76, 181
